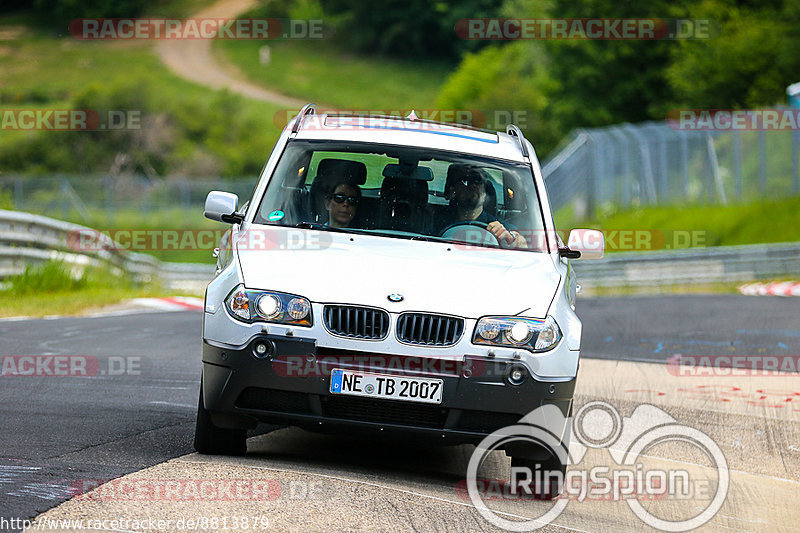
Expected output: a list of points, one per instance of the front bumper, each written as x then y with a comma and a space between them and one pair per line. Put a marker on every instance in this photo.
290, 386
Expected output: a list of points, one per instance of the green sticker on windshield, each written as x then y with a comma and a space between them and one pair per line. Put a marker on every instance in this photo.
275, 215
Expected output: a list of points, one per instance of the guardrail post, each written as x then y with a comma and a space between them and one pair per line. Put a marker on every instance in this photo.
762, 162
622, 148
684, 137
795, 162
737, 163
712, 156
647, 163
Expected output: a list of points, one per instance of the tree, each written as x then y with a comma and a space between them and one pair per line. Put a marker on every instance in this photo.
748, 64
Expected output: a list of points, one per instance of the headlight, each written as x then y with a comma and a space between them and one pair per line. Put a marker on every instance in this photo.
268, 306
533, 334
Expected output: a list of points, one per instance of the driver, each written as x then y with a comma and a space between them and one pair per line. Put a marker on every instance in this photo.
466, 189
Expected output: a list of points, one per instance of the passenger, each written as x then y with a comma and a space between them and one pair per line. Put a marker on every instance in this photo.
342, 204
466, 189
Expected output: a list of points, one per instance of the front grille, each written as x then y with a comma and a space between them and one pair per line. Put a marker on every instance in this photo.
356, 322
384, 411
430, 330
273, 400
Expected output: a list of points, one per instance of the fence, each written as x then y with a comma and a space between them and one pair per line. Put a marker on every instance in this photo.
31, 239
692, 266
623, 165
26, 238
652, 163
99, 199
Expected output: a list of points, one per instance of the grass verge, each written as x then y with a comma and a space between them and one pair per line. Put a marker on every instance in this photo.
317, 72
193, 129
54, 288
671, 227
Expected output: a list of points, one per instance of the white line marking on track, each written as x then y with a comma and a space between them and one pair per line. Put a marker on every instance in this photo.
183, 405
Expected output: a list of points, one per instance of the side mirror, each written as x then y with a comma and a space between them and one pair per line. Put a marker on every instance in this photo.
222, 206
584, 244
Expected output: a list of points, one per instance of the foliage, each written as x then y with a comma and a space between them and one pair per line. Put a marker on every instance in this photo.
6, 200
174, 136
53, 288
748, 64
57, 276
748, 61
406, 28
511, 78
57, 14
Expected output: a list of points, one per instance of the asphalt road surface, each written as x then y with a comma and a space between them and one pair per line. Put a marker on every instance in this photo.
137, 410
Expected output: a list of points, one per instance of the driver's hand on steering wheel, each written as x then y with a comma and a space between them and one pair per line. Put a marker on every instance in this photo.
506, 238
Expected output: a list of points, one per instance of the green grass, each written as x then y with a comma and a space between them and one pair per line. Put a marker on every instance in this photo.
48, 72
45, 72
70, 302
53, 288
315, 71
764, 221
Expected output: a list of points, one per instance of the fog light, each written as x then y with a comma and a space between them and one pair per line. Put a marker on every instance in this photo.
516, 375
261, 350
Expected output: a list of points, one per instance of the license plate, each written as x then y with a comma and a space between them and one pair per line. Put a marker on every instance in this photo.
426, 390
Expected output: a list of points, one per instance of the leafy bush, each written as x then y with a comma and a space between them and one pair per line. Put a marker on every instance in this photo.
511, 78
748, 64
174, 137
399, 28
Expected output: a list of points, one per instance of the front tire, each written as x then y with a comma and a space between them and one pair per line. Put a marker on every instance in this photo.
212, 440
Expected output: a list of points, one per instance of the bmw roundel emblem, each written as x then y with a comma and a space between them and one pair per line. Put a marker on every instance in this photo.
394, 297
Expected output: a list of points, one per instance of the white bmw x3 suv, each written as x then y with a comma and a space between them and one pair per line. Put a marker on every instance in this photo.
390, 276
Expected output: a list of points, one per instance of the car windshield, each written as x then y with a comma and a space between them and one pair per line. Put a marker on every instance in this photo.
404, 192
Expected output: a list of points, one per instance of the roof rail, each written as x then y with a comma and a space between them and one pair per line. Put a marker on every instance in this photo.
308, 109
514, 131
416, 120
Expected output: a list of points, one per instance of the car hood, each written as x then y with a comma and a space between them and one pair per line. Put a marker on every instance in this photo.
431, 277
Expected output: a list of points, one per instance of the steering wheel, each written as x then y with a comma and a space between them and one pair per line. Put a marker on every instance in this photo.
452, 229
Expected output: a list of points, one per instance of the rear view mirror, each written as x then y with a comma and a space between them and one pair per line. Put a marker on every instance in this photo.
584, 244
222, 206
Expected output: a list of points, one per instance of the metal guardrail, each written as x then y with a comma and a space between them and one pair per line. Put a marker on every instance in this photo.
26, 239
692, 266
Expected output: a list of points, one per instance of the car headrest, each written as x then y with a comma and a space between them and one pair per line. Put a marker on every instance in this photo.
392, 170
353, 172
405, 189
